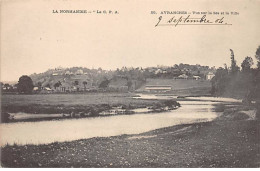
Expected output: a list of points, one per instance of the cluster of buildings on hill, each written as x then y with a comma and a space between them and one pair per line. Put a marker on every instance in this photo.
208, 76
78, 79
64, 81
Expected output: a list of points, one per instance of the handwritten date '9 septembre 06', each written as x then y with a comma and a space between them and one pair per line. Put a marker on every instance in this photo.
188, 20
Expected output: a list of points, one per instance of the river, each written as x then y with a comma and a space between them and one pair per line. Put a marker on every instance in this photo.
45, 132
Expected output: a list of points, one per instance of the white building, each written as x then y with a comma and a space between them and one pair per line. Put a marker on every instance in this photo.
210, 75
79, 72
158, 88
183, 76
196, 77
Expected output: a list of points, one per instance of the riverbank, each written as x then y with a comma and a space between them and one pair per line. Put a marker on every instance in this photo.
33, 112
232, 140
20, 108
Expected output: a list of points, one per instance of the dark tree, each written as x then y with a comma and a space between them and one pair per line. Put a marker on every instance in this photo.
2, 84
219, 81
104, 83
246, 64
85, 83
39, 84
225, 67
7, 86
129, 84
25, 84
76, 83
257, 56
57, 84
234, 67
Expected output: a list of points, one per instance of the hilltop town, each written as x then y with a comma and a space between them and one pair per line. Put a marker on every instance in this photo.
80, 79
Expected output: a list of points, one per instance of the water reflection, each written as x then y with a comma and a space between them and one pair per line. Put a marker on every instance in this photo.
72, 129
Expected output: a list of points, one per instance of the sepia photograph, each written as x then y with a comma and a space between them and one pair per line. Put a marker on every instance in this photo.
130, 84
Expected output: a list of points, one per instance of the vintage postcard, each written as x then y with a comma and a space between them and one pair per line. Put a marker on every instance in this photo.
130, 84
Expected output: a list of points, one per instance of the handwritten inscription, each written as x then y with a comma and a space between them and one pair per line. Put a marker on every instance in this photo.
189, 20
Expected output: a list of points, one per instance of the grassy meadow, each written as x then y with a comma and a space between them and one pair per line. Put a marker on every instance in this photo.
55, 106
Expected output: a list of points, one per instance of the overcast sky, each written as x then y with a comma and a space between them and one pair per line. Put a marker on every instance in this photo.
33, 39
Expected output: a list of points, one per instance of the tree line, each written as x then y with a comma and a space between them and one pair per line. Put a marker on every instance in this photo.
238, 82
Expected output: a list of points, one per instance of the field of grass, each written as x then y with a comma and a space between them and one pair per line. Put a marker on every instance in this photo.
52, 103
177, 84
70, 105
179, 87
68, 99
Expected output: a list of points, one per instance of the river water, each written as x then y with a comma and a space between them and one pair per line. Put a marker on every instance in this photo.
44, 132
